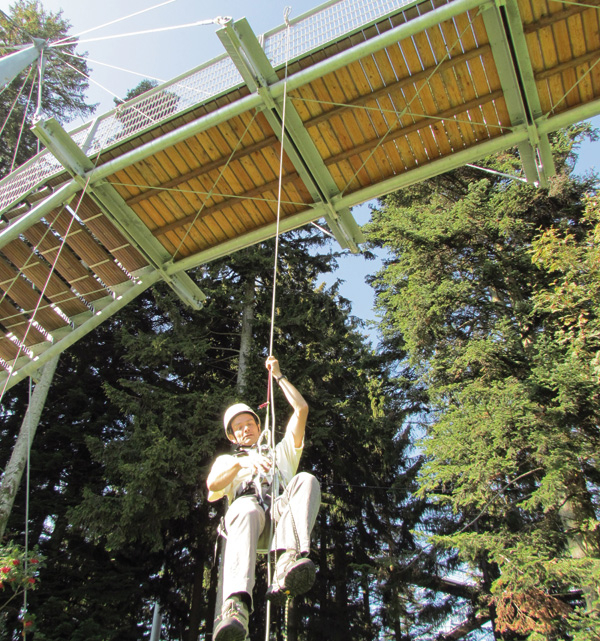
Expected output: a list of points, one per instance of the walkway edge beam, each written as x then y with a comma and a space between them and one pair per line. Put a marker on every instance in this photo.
295, 81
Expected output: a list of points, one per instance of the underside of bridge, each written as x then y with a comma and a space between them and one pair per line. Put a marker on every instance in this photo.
347, 103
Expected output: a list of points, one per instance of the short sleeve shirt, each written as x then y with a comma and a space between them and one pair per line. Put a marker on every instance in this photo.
287, 457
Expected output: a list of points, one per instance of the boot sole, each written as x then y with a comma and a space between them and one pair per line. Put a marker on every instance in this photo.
230, 633
298, 580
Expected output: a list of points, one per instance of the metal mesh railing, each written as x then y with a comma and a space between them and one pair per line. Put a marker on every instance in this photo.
311, 31
326, 25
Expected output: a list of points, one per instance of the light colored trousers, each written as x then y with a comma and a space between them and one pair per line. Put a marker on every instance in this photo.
294, 512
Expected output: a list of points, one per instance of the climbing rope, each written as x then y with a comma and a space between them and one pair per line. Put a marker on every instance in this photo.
27, 490
270, 391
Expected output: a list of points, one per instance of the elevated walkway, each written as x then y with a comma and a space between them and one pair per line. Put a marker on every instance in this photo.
376, 95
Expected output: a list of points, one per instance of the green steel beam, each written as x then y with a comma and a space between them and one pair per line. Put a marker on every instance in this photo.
147, 279
519, 42
548, 124
517, 110
12, 65
299, 79
544, 124
18, 226
58, 141
457, 159
241, 44
511, 56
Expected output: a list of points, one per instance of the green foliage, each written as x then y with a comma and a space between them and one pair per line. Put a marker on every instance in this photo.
491, 287
63, 88
123, 519
19, 573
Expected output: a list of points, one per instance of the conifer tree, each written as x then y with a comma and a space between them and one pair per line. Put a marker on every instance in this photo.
63, 87
509, 468
124, 520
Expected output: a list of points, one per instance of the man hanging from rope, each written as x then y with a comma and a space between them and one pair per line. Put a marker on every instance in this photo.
245, 477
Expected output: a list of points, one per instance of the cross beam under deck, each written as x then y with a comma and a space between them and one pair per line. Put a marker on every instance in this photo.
242, 45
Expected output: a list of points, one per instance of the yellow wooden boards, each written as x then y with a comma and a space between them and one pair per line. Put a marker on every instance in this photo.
407, 96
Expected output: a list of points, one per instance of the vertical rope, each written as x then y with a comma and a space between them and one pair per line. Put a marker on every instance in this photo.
272, 328
286, 617
27, 488
280, 186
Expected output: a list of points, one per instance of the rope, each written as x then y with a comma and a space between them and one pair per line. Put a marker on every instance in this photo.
395, 112
286, 617
41, 296
114, 95
42, 293
218, 178
270, 390
580, 79
16, 25
199, 192
27, 491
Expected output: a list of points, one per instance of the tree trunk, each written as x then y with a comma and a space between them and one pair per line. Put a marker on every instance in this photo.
197, 605
367, 602
581, 542
340, 574
14, 469
246, 336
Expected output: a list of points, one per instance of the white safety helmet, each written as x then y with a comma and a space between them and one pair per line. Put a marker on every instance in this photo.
232, 412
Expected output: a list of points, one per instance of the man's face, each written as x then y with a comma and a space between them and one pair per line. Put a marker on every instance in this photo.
245, 430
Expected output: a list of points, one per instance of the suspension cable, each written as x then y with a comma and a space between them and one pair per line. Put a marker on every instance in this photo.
12, 107
107, 24
198, 23
14, 159
105, 64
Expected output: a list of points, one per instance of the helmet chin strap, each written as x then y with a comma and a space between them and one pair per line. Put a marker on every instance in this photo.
263, 434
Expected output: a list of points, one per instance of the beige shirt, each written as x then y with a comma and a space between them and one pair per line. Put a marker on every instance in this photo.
287, 459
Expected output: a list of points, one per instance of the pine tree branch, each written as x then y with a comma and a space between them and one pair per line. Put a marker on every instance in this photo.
461, 630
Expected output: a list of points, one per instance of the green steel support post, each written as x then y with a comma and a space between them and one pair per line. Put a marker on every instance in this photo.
12, 65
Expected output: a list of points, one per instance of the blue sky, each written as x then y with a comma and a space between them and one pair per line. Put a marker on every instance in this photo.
165, 54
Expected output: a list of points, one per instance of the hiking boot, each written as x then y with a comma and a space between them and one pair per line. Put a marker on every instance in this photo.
233, 622
294, 575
